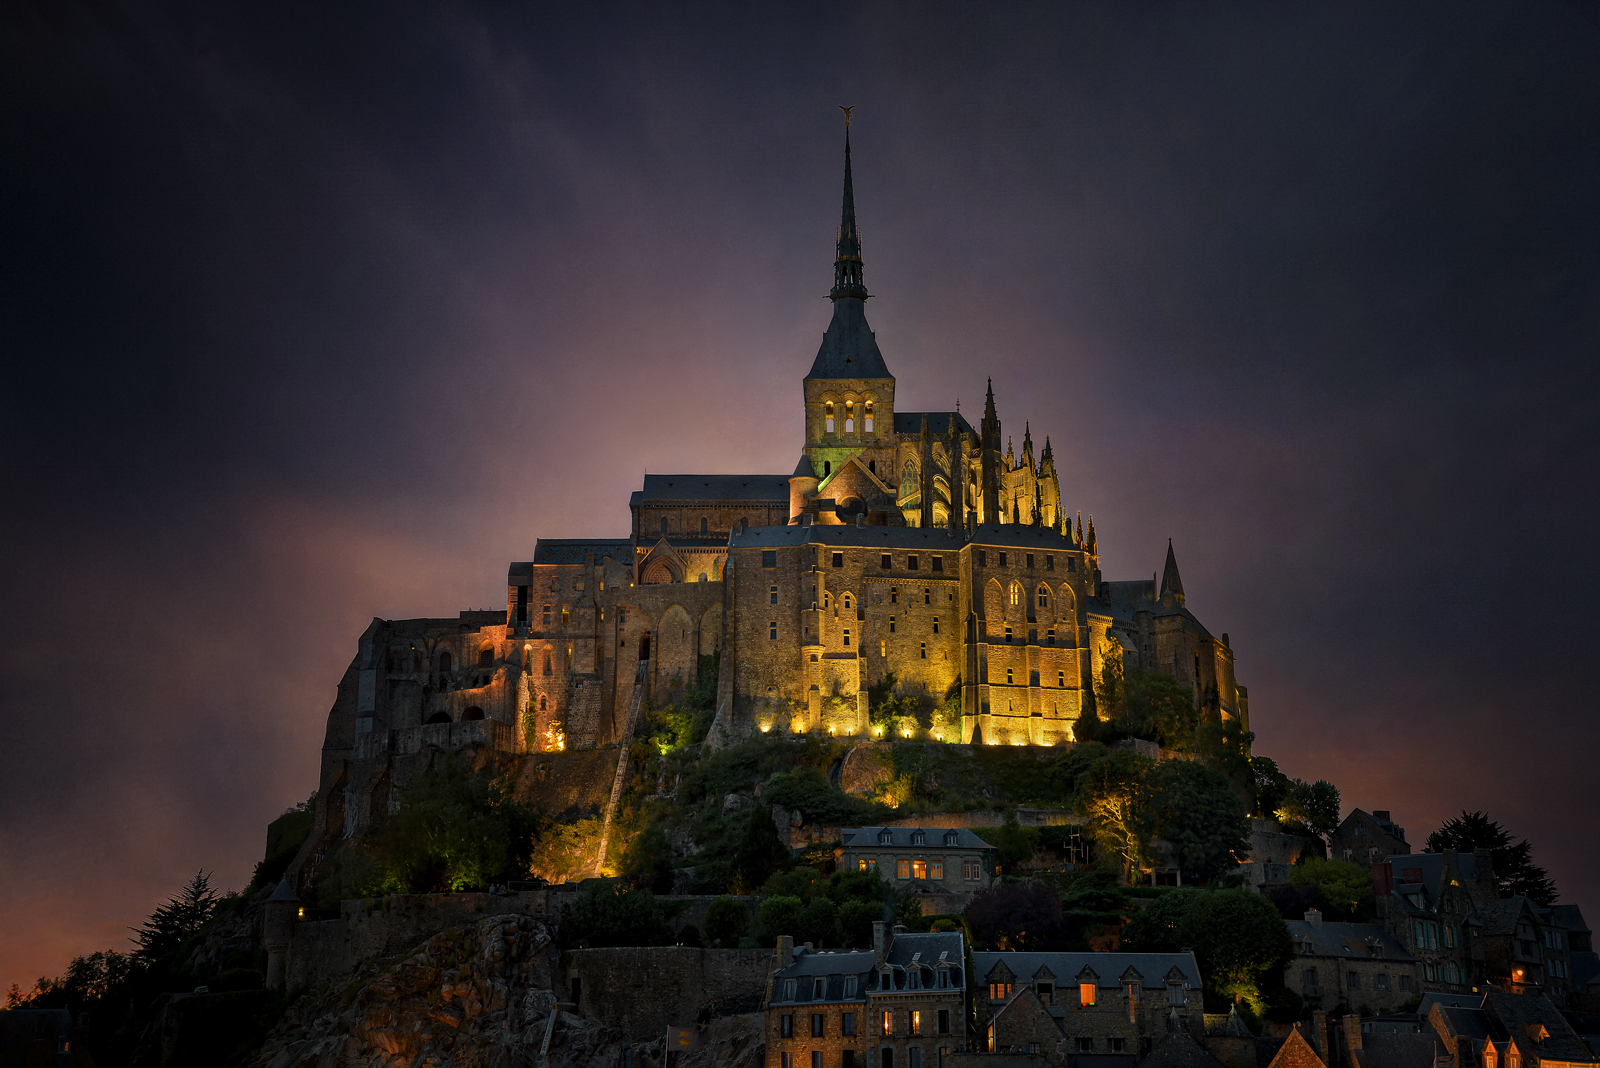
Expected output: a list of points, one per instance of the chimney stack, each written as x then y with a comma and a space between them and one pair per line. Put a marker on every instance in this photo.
1314, 917
785, 951
881, 940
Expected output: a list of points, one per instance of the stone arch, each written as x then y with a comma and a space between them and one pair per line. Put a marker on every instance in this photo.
472, 712
445, 662
660, 570
711, 630
1043, 601
910, 484
1016, 602
1067, 613
486, 655
994, 611
440, 717
675, 649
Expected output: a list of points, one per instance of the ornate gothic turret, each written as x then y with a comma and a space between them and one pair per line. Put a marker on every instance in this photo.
847, 280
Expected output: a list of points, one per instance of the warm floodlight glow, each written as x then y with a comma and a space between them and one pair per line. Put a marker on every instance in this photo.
765, 727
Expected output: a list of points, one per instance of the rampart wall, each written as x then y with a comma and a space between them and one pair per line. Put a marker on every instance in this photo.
644, 990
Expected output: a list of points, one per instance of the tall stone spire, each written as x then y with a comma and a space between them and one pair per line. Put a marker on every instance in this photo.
847, 280
1170, 582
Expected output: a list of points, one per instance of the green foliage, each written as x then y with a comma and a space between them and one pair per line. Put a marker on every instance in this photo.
781, 915
1238, 938
820, 924
801, 882
456, 829
1345, 886
856, 917
689, 935
648, 858
174, 923
761, 852
1014, 845
1197, 810
1112, 797
893, 715
1270, 787
1090, 900
612, 915
727, 922
808, 789
702, 693
1316, 805
1016, 916
1160, 708
1514, 869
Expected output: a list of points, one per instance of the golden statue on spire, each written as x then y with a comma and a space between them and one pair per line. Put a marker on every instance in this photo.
847, 111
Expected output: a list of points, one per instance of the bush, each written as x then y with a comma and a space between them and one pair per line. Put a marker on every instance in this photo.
1238, 938
781, 915
856, 917
819, 923
612, 915
1346, 887
727, 922
808, 790
689, 935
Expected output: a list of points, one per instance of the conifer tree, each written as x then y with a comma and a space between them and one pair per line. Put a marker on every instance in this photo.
1514, 869
175, 922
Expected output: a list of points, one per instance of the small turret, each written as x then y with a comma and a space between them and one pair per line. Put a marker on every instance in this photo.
277, 930
1094, 543
802, 484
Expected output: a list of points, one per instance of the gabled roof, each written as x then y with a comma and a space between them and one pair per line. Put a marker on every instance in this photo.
1388, 1049
938, 423
862, 837
1431, 868
928, 949
1500, 917
1154, 967
1515, 1014
1179, 1050
1296, 1052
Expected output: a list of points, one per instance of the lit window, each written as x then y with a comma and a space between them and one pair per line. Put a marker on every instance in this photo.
916, 1022
902, 869
919, 869
1016, 594
999, 991
888, 1021
772, 594
1086, 993
883, 648
772, 631
924, 651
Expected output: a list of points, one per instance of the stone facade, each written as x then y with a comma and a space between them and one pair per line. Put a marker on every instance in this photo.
909, 543
1070, 1005
900, 1006
939, 861
1366, 838
1351, 964
1425, 901
643, 991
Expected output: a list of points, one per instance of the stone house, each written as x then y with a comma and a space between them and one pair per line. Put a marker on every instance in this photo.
1366, 838
1508, 1031
1428, 903
1077, 1005
1358, 965
900, 1006
941, 860
1526, 951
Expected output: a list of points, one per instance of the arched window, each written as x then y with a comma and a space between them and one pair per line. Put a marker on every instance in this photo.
542, 705
866, 422
486, 656
849, 417
547, 667
472, 713
828, 416
444, 663
705, 526
847, 606
1044, 597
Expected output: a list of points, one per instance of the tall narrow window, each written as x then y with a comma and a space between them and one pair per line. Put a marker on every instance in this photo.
866, 420
1009, 679
663, 526
847, 637
772, 594
1061, 679
924, 651
936, 624
888, 1021
891, 624
828, 417
547, 668
705, 525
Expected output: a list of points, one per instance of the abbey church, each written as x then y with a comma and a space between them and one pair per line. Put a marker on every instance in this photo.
910, 543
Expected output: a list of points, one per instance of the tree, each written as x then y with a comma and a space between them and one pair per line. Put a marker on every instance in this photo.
1112, 796
1271, 785
613, 915
648, 859
1346, 887
781, 915
1160, 708
819, 923
1238, 938
1514, 869
1013, 844
1196, 809
1016, 916
727, 922
1091, 900
1318, 804
174, 923
760, 851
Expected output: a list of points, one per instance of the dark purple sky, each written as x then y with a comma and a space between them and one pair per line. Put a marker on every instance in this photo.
309, 317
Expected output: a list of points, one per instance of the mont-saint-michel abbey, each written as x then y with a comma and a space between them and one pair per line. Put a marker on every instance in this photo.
902, 542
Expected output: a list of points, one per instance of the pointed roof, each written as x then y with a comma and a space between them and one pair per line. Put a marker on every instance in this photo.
1296, 1052
1170, 582
848, 348
803, 469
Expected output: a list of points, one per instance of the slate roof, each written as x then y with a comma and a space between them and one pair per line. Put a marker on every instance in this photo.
849, 349
1466, 1021
1568, 916
1500, 917
1447, 1001
901, 837
1179, 1050
1388, 1049
1431, 866
570, 551
925, 949
938, 423
1108, 968
1000, 536
739, 488
905, 949
1515, 1013
1346, 940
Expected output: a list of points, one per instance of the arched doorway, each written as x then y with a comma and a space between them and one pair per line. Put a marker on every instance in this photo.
472, 713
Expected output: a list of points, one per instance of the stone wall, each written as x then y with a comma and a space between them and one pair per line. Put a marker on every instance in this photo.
324, 950
563, 782
642, 991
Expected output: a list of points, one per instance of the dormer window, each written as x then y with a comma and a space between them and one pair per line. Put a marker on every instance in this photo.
943, 981
885, 837
819, 989
849, 986
919, 838
951, 838
788, 989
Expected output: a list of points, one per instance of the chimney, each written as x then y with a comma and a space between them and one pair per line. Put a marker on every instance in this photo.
1319, 1035
1381, 814
881, 940
1314, 917
1382, 880
1352, 1031
785, 951
1483, 868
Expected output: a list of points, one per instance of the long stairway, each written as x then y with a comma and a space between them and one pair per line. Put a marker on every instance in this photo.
622, 763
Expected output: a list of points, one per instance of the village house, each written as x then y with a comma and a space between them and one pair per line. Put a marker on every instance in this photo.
1359, 965
938, 859
1072, 1005
1525, 949
1366, 838
900, 1006
1508, 1031
1427, 902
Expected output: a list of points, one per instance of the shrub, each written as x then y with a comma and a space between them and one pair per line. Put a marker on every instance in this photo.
781, 915
727, 922
612, 915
